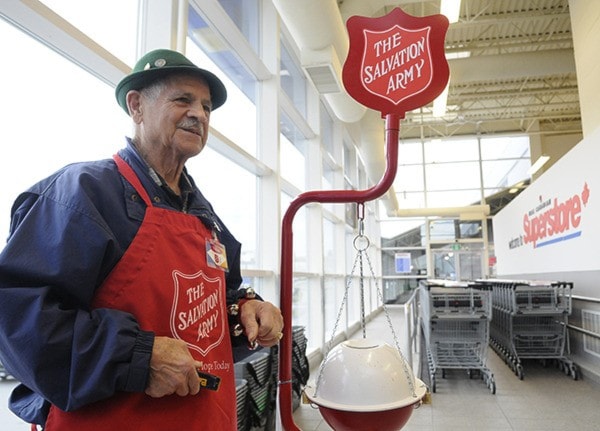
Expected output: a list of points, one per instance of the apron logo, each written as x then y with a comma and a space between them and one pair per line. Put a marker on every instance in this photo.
197, 313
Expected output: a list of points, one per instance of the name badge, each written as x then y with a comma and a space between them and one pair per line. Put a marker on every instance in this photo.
216, 256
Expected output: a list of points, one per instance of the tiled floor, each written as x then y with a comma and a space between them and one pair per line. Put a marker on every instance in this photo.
544, 400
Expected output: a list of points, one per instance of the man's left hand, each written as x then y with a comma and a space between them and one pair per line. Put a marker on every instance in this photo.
262, 322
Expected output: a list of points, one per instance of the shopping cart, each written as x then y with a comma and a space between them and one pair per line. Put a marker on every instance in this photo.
529, 321
455, 318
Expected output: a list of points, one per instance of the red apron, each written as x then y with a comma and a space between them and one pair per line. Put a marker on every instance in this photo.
164, 281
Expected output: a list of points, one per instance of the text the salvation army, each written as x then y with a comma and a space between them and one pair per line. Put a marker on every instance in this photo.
402, 65
202, 305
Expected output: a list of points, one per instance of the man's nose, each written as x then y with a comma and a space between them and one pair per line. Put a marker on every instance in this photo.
199, 112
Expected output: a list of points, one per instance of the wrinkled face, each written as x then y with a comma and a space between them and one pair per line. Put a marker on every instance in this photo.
172, 117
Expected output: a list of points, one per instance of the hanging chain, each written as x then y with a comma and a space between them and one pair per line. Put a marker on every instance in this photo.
335, 326
361, 243
360, 215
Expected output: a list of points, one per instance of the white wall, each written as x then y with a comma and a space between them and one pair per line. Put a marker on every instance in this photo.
585, 25
551, 230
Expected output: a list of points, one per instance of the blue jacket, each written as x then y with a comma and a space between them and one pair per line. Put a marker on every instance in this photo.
67, 233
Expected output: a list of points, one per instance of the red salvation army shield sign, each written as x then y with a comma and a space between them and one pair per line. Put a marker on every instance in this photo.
196, 313
396, 63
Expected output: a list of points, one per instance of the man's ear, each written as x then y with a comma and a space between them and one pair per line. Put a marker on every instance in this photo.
133, 99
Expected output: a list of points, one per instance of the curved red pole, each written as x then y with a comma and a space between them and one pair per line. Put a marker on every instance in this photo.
392, 127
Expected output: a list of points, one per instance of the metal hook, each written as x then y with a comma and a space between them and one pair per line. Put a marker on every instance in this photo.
360, 216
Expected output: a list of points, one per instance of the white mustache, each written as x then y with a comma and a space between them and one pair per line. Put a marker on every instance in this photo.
192, 124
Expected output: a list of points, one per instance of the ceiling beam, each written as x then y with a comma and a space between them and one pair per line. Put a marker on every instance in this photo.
512, 66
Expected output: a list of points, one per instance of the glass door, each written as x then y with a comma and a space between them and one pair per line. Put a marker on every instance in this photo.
452, 263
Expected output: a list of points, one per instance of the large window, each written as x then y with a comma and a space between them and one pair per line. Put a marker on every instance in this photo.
236, 119
409, 183
448, 173
110, 23
293, 82
329, 164
245, 15
53, 113
455, 172
335, 313
505, 161
452, 173
329, 248
301, 241
292, 157
232, 192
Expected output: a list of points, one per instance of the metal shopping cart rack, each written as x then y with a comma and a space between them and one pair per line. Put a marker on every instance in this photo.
529, 321
455, 319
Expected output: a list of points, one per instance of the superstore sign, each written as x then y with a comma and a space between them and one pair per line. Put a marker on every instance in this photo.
553, 220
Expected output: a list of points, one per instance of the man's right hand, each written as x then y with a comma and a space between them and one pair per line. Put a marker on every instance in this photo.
172, 369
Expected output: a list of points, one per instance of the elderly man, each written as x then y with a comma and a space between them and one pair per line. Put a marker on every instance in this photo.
119, 285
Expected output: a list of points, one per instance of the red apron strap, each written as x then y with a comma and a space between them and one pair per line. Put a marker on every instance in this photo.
130, 176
